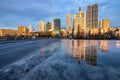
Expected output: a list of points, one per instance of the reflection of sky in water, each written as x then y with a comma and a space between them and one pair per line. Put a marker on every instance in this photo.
79, 60
93, 52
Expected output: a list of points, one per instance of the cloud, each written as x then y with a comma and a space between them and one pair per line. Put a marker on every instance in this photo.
14, 12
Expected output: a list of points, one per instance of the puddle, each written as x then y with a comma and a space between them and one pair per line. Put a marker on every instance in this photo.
91, 52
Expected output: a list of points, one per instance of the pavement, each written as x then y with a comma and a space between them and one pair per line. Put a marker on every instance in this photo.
12, 52
62, 59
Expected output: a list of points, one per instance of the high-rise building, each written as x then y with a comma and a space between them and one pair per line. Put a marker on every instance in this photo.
68, 24
48, 26
41, 26
57, 27
95, 16
22, 30
92, 16
30, 28
79, 22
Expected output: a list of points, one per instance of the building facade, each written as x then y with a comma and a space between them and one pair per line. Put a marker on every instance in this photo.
41, 26
92, 16
8, 32
105, 24
68, 24
30, 28
63, 33
22, 30
48, 26
57, 28
79, 22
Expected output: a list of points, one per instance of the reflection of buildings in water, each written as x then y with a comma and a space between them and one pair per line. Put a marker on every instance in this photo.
104, 46
91, 54
118, 44
79, 50
68, 47
86, 50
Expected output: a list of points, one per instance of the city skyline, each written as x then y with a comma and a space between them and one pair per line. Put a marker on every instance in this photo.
9, 12
83, 25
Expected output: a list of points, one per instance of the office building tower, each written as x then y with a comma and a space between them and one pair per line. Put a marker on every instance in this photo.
57, 27
41, 26
48, 26
68, 24
92, 16
30, 28
79, 22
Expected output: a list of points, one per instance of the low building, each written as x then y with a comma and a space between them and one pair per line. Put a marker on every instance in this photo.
94, 31
86, 33
22, 30
8, 32
63, 33
112, 29
104, 26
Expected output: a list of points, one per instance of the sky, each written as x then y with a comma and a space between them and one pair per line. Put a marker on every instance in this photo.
14, 13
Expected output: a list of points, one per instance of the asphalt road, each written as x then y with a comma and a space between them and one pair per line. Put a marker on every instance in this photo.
12, 52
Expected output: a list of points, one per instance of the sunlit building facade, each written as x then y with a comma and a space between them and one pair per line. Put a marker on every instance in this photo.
41, 26
104, 26
8, 32
118, 33
30, 28
79, 23
63, 33
94, 32
22, 30
68, 24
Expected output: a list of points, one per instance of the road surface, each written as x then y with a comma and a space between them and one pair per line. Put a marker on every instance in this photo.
12, 52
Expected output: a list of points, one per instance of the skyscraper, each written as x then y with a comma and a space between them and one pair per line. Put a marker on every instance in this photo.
68, 24
92, 16
48, 26
41, 26
95, 16
57, 27
31, 28
79, 22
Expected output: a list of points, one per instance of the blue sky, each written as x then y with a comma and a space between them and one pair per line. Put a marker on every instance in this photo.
25, 12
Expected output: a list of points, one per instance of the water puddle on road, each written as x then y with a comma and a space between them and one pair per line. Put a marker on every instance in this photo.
92, 52
81, 60
78, 60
